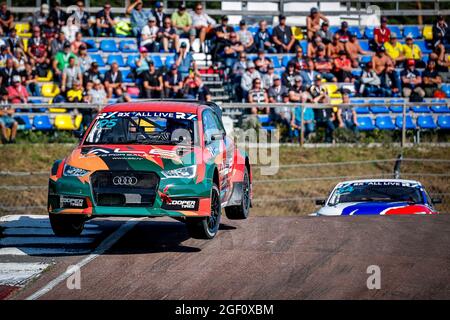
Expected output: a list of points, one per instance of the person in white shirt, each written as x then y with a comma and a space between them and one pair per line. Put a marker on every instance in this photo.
149, 35
202, 23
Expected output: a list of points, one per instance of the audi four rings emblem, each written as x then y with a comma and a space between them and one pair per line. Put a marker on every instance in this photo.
125, 180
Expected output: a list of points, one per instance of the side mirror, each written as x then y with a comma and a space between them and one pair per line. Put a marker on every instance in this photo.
320, 202
436, 200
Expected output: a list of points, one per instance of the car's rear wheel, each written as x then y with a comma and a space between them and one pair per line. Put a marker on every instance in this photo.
207, 227
241, 211
65, 225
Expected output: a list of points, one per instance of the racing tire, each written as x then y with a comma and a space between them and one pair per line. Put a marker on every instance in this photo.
67, 225
207, 227
241, 211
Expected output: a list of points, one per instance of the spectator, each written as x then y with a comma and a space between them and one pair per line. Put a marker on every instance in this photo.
58, 44
282, 36
20, 59
149, 36
6, 20
70, 74
49, 30
381, 64
202, 25
442, 65
262, 62
381, 34
353, 49
258, 95
412, 51
440, 32
61, 61
335, 47
431, 79
308, 121
318, 92
114, 81
76, 94
13, 41
57, 15
313, 47
246, 37
96, 95
173, 83
269, 77
182, 22
105, 21
324, 33
222, 37
37, 47
299, 59
346, 116
84, 60
81, 17
152, 83
288, 76
297, 93
324, 117
4, 55
248, 78
184, 60
7, 121
343, 68
278, 93
394, 50
75, 45
168, 36
370, 82
194, 88
159, 14
343, 32
91, 75
40, 17
263, 38
308, 74
143, 62
30, 77
324, 66
139, 17
313, 22
239, 67
17, 93
411, 80
232, 49
8, 73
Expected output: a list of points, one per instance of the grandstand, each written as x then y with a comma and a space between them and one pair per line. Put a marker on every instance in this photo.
382, 112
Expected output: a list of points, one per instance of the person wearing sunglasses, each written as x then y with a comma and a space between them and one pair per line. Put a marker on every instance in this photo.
202, 24
105, 21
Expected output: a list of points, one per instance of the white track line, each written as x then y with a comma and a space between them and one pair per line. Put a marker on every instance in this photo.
23, 241
104, 246
32, 251
14, 274
31, 221
40, 232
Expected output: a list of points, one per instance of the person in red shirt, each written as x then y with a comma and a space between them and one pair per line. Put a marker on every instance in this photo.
343, 67
17, 93
381, 34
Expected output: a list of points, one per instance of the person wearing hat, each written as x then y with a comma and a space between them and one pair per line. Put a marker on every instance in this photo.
232, 49
105, 23
17, 92
222, 37
343, 32
325, 33
353, 49
381, 34
40, 17
268, 78
394, 49
6, 19
248, 77
288, 76
278, 93
61, 60
142, 62
152, 83
324, 65
246, 37
412, 51
97, 94
149, 35
159, 14
91, 75
411, 80
313, 22
173, 83
202, 24
298, 92
262, 38
381, 61
343, 67
139, 17
324, 117
168, 36
282, 36
182, 22
184, 60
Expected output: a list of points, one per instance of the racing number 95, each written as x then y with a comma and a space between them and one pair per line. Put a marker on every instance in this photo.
107, 123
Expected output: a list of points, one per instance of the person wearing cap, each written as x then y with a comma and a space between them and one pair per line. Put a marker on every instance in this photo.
268, 78
248, 77
61, 60
394, 49
282, 36
17, 92
104, 22
346, 116
8, 72
246, 37
84, 60
313, 22
298, 92
278, 93
76, 93
97, 94
232, 49
91, 75
40, 17
37, 47
139, 17
335, 46
431, 79
152, 83
182, 22
7, 120
343, 67
411, 80
324, 117
381, 34
142, 62
343, 32
324, 65
149, 35
173, 83
202, 24
70, 74
353, 49
159, 14
184, 60
288, 76
168, 36
370, 82
381, 61
325, 33
222, 37
262, 62
412, 51
263, 39
6, 19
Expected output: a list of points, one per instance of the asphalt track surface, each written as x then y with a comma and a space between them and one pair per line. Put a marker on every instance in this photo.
266, 258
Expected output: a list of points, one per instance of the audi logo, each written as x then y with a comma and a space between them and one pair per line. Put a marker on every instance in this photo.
124, 181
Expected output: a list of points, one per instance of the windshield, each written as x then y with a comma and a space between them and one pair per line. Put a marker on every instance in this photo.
377, 191
143, 128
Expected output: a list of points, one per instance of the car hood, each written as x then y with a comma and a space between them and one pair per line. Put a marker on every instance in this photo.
136, 157
374, 208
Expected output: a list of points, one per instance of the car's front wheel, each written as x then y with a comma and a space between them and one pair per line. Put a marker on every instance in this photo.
65, 225
207, 227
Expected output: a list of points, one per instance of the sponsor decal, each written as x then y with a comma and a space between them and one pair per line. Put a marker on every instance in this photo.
149, 114
69, 202
124, 180
180, 204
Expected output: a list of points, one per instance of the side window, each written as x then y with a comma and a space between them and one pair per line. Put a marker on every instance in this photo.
210, 126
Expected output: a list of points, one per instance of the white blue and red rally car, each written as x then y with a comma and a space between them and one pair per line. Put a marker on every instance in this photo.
378, 197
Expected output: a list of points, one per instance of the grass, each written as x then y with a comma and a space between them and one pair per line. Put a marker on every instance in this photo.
272, 196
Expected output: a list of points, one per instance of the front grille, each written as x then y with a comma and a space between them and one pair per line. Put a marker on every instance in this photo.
124, 188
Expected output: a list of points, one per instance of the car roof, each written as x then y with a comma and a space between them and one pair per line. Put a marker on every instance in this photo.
381, 180
169, 106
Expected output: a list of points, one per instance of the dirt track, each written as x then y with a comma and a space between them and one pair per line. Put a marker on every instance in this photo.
270, 258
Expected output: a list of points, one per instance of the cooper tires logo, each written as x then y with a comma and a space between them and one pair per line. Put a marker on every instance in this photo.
124, 181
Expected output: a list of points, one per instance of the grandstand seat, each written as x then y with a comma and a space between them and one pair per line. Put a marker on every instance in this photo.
49, 90
426, 122
64, 122
444, 122
264, 119
108, 45
157, 61
378, 107
116, 58
357, 73
285, 61
128, 46
125, 76
423, 46
91, 45
368, 32
297, 32
170, 60
42, 123
360, 110
254, 29
364, 45
23, 29
365, 124
396, 30
409, 122
131, 60
334, 29
133, 92
47, 78
333, 90
275, 62
35, 100
365, 59
78, 120
24, 122
384, 123
355, 30
397, 109
412, 31
420, 109
427, 32
439, 108
98, 58
446, 88
304, 45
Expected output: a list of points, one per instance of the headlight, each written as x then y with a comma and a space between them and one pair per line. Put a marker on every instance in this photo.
70, 171
185, 172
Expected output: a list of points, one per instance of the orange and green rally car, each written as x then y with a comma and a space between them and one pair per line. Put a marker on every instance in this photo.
152, 159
